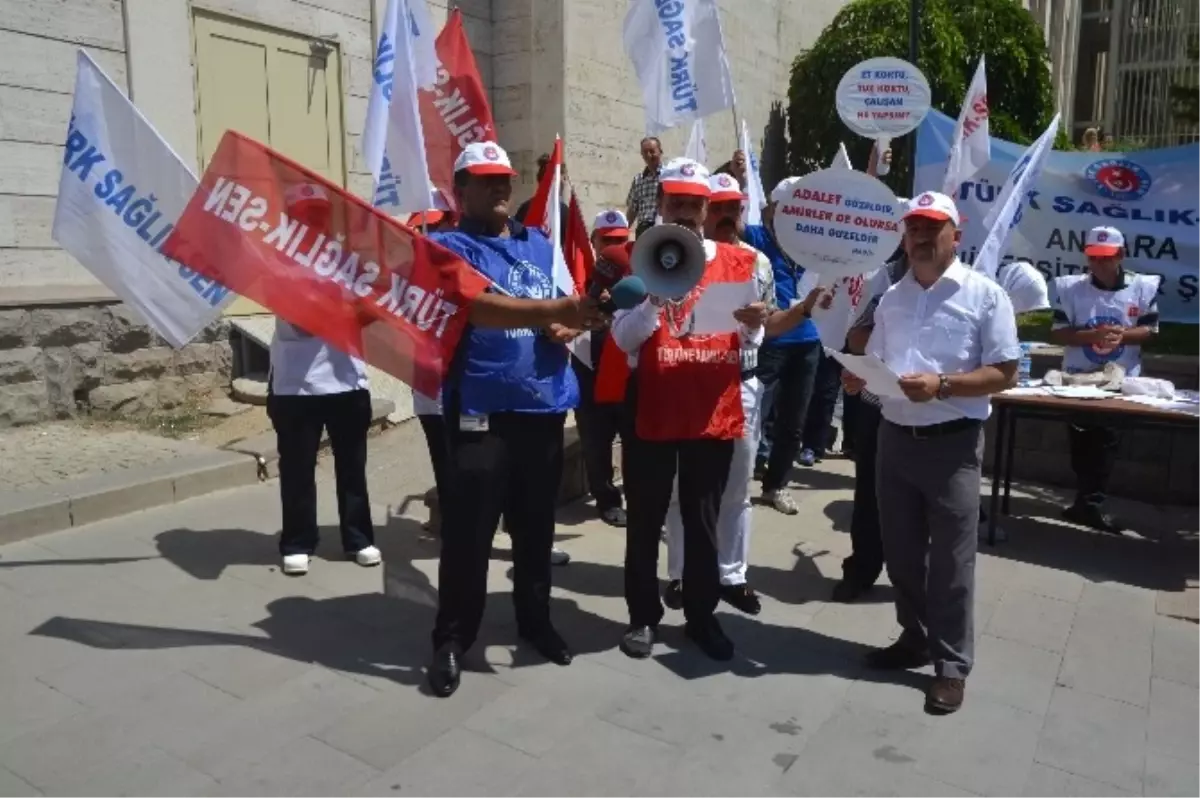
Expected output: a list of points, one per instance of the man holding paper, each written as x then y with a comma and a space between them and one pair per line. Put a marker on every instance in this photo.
951, 336
685, 399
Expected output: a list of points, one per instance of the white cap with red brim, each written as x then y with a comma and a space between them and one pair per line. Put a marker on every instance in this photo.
933, 205
684, 176
1103, 242
484, 158
611, 223
724, 188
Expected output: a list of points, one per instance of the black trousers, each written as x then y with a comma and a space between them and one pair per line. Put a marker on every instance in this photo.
851, 412
434, 427
512, 469
787, 373
649, 468
298, 422
599, 425
819, 432
1093, 456
865, 562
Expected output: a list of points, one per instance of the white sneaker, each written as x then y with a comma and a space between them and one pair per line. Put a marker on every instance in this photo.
782, 501
368, 557
559, 557
295, 564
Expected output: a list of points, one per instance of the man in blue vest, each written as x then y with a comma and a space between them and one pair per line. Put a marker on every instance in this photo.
505, 398
787, 365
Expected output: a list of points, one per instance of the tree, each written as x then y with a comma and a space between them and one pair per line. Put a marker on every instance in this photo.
954, 33
1185, 95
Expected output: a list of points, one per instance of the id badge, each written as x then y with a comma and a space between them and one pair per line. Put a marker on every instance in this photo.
468, 423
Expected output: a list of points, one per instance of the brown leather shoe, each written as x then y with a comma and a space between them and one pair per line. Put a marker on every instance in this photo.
899, 656
945, 695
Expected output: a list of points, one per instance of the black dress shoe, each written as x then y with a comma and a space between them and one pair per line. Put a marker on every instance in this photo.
741, 597
445, 670
1093, 517
849, 591
673, 595
711, 639
638, 641
899, 656
614, 516
550, 645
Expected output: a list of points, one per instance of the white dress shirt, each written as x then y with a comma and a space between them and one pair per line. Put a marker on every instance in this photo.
632, 328
961, 323
304, 365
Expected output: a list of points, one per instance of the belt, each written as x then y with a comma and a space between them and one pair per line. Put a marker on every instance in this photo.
937, 430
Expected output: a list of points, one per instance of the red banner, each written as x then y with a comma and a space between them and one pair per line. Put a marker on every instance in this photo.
456, 111
326, 261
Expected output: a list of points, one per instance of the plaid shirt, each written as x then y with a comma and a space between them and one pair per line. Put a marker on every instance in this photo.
895, 269
642, 201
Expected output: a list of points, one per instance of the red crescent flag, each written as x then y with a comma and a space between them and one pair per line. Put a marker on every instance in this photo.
455, 112
576, 243
326, 261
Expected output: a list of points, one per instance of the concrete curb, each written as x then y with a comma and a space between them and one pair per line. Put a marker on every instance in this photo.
84, 501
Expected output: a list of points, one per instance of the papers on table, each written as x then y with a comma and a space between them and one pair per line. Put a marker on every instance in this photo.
881, 380
1177, 405
1062, 391
714, 309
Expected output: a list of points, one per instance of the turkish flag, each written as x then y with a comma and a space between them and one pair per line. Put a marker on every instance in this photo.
578, 259
455, 112
326, 261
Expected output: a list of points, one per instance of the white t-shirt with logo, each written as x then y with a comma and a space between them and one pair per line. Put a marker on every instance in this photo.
1080, 303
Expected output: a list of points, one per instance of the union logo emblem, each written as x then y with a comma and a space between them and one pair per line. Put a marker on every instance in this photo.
491, 153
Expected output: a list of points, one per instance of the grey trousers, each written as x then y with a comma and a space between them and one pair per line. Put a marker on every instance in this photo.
928, 495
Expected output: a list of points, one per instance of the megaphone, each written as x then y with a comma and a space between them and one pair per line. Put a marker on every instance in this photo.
669, 259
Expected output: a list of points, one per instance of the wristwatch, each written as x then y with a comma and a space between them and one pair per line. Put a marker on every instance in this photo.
943, 391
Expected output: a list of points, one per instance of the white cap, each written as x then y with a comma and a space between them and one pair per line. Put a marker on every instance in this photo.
933, 205
684, 176
484, 158
1025, 286
724, 188
611, 223
1103, 242
784, 189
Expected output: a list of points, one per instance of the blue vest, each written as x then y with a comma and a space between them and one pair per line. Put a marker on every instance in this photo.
787, 274
520, 370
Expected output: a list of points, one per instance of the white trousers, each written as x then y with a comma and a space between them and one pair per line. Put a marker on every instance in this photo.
733, 521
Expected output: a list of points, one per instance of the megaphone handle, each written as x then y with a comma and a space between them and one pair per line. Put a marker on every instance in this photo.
882, 167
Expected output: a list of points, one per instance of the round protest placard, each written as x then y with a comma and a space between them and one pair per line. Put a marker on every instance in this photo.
839, 223
882, 99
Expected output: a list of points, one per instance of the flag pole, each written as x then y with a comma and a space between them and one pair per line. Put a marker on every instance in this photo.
737, 134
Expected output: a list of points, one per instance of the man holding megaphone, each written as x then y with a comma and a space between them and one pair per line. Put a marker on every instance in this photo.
686, 404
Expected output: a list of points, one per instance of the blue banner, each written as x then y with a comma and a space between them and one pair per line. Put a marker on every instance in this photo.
1151, 196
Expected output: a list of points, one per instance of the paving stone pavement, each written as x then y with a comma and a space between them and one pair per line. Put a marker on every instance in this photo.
163, 653
48, 454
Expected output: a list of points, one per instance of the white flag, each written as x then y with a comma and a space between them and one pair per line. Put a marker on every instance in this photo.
971, 146
1006, 213
121, 192
842, 159
697, 146
678, 53
393, 141
756, 198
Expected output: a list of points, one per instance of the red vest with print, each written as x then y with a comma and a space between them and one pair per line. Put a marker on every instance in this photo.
690, 387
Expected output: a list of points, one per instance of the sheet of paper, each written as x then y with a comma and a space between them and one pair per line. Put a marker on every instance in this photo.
881, 380
715, 307
1080, 392
1028, 390
1174, 405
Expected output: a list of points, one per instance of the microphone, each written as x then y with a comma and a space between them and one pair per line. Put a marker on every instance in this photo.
627, 293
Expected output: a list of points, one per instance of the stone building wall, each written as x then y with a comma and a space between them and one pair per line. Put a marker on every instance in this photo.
63, 360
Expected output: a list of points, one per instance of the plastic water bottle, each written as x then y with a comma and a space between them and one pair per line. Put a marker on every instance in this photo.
1025, 366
